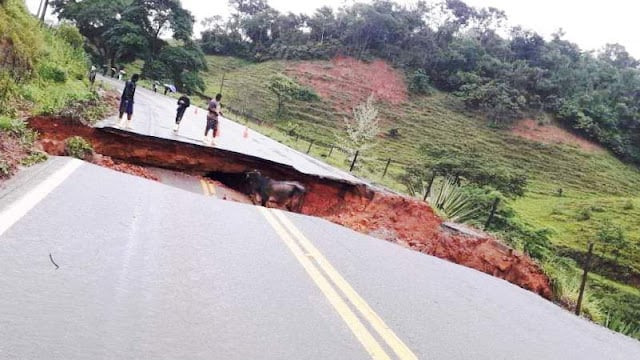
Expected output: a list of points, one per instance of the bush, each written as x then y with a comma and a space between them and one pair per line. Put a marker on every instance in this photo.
77, 147
5, 169
565, 282
19, 129
583, 214
34, 158
51, 72
71, 35
7, 90
619, 324
419, 83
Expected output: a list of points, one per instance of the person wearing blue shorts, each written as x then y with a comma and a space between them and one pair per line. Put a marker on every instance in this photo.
126, 100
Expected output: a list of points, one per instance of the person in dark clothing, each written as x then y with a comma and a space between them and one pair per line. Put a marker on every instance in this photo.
183, 103
92, 75
212, 119
126, 100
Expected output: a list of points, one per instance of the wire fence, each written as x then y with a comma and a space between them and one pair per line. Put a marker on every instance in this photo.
356, 162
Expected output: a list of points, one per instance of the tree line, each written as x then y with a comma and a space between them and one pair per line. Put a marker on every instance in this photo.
157, 31
503, 72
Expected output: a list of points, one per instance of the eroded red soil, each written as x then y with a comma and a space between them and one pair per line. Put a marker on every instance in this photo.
413, 223
346, 82
56, 147
552, 134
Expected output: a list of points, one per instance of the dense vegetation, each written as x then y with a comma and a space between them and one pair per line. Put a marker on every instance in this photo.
42, 71
120, 31
459, 49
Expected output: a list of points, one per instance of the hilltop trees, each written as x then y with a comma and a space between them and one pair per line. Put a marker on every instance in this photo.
456, 48
125, 30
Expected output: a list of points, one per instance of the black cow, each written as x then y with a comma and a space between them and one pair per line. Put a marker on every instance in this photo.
288, 194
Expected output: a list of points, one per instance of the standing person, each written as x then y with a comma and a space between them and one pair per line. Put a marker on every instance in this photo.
155, 86
126, 100
92, 75
183, 103
212, 119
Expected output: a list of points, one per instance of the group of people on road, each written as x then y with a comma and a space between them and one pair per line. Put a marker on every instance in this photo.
214, 110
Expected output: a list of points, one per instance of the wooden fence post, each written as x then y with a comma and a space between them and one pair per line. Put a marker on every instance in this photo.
330, 151
221, 84
355, 158
386, 168
587, 262
428, 189
310, 145
494, 207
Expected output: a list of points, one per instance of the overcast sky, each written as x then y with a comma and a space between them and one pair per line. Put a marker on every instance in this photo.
590, 24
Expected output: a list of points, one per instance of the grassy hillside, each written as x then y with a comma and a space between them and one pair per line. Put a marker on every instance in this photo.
596, 187
42, 71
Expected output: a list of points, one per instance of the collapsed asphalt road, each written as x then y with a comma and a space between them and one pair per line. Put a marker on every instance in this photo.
154, 116
97, 264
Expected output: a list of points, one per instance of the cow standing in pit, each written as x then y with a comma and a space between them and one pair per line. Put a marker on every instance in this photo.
288, 194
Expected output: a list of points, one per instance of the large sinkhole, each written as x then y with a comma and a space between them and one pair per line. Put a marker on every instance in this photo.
377, 212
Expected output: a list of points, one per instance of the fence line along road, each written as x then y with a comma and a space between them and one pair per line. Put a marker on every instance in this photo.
314, 143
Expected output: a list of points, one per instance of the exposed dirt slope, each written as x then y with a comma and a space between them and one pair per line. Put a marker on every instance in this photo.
412, 223
552, 134
346, 82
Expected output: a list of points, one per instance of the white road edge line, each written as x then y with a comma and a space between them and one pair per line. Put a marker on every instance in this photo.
21, 207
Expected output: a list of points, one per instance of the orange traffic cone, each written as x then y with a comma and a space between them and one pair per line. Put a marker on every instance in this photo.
245, 133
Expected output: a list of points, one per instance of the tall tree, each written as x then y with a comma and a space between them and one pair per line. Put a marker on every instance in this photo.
94, 18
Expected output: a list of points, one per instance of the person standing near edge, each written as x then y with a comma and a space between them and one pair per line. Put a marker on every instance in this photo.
212, 119
183, 103
126, 100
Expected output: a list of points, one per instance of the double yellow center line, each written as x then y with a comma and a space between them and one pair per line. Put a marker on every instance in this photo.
331, 283
208, 188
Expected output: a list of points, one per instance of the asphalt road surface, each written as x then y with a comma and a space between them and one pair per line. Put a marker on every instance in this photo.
154, 115
96, 264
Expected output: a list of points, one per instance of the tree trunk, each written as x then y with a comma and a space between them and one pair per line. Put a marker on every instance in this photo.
39, 9
44, 10
280, 105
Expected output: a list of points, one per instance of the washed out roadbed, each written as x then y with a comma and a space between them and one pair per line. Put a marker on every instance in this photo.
377, 212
